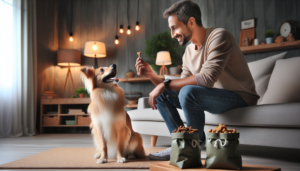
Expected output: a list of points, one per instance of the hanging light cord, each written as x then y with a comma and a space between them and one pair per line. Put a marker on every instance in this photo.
137, 11
71, 17
128, 12
117, 19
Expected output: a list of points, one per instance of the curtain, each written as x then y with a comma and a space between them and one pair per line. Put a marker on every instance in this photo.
18, 63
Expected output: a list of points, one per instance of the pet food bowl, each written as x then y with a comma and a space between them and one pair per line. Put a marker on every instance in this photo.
132, 97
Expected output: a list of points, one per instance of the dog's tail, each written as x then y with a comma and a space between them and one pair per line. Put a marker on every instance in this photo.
139, 151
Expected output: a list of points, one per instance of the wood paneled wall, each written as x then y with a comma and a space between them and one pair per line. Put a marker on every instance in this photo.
96, 20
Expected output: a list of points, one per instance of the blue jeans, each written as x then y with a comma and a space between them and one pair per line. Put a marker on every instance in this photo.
193, 100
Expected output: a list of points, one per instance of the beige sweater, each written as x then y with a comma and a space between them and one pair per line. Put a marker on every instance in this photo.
219, 63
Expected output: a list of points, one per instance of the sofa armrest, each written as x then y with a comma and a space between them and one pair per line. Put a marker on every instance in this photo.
143, 103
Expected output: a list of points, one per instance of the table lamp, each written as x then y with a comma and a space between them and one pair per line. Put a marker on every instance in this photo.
68, 57
95, 49
163, 58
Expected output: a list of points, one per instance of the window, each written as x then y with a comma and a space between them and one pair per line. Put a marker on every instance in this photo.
9, 42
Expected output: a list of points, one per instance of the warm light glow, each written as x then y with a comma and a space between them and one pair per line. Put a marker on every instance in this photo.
128, 32
137, 27
71, 39
121, 29
116, 41
95, 47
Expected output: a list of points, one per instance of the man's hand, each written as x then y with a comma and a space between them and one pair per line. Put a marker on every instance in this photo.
143, 68
159, 89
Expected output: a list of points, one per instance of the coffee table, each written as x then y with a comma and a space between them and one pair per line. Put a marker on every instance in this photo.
164, 166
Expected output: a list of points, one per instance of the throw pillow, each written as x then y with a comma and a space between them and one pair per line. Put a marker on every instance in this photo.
171, 77
284, 84
261, 71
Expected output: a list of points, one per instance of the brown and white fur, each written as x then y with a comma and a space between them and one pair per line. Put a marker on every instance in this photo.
111, 125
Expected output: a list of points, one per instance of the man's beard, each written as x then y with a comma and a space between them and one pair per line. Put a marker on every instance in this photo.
186, 37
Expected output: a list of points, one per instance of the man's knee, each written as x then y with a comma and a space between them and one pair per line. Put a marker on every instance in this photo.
187, 94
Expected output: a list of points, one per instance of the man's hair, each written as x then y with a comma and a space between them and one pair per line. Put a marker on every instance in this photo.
184, 9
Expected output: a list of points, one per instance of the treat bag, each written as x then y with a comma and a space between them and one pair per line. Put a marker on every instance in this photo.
185, 150
222, 151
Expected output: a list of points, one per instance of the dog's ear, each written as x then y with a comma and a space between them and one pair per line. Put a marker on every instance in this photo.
87, 72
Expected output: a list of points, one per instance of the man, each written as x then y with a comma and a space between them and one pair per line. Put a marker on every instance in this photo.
215, 75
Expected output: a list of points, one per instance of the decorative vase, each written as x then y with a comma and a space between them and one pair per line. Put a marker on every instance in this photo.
173, 70
130, 74
81, 95
132, 97
269, 40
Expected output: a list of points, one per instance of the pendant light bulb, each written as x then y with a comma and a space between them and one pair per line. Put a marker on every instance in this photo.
121, 29
71, 37
137, 28
128, 30
116, 40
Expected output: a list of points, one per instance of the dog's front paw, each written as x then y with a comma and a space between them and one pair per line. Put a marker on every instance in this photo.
121, 160
131, 156
97, 156
99, 161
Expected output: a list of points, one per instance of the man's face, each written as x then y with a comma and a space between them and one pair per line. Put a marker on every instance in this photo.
179, 30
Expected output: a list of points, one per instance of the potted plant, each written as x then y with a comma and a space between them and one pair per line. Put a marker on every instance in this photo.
269, 34
81, 92
163, 42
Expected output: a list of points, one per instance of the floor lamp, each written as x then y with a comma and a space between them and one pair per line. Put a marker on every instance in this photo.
163, 58
94, 49
68, 57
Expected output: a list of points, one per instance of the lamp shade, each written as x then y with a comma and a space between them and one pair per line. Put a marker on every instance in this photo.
68, 56
94, 49
163, 58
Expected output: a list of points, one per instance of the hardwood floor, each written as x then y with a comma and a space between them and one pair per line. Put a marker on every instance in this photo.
16, 148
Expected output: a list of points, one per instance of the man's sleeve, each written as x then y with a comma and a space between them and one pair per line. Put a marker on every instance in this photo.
219, 49
185, 70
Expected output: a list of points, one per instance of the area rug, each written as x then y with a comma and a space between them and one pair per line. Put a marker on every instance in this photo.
76, 158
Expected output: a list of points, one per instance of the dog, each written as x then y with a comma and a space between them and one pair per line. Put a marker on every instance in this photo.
111, 125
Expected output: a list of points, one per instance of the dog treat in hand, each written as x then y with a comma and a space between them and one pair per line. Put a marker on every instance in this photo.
222, 129
185, 129
139, 54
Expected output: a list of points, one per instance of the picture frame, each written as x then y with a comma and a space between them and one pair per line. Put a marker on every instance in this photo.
250, 33
247, 24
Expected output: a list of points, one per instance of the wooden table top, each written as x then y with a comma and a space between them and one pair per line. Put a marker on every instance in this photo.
165, 166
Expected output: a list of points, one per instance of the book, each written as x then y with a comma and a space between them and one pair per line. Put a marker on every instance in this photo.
49, 95
76, 113
75, 110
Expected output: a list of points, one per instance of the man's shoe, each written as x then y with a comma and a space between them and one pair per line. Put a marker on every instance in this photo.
165, 154
161, 155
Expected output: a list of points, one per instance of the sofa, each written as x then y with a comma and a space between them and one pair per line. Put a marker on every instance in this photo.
273, 122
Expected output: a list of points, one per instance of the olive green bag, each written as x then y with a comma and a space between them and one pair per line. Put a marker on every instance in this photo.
185, 150
222, 151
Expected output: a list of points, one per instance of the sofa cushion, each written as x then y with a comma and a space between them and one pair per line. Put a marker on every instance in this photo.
284, 84
261, 71
150, 115
171, 77
271, 115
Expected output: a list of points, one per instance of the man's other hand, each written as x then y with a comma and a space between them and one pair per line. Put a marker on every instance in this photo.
159, 89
